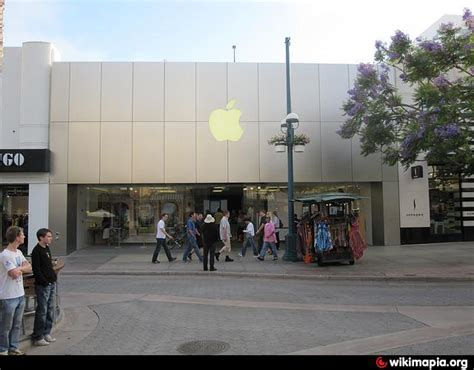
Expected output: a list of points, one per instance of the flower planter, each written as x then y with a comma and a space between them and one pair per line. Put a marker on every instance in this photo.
279, 148
299, 148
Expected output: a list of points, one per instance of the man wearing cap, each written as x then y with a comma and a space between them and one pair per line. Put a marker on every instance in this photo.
210, 231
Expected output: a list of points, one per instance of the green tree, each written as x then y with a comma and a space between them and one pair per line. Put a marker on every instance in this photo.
437, 121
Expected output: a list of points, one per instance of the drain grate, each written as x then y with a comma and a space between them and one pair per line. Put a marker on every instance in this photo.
203, 347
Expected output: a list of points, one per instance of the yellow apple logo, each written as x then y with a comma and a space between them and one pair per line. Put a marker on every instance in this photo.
225, 123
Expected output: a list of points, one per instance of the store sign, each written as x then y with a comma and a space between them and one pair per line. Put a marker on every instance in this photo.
224, 124
24, 160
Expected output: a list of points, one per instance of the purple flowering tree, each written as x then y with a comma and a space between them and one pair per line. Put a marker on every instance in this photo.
437, 120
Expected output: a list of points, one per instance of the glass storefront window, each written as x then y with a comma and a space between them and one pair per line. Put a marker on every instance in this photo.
128, 214
14, 206
445, 215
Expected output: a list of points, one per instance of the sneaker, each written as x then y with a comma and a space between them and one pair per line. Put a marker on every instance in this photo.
260, 258
4, 353
228, 259
212, 269
173, 259
41, 342
275, 258
217, 255
15, 352
240, 255
155, 261
49, 338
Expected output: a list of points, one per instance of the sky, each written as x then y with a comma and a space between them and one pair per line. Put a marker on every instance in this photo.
329, 31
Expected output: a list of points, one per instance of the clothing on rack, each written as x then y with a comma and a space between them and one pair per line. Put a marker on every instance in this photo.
356, 241
323, 240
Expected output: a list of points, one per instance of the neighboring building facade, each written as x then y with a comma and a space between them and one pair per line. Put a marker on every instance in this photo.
130, 140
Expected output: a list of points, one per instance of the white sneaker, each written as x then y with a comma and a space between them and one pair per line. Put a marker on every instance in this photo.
41, 342
240, 255
4, 353
49, 338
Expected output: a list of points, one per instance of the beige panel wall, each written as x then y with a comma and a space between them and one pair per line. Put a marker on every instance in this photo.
116, 153
305, 91
272, 92
244, 155
307, 165
211, 156
58, 144
333, 86
148, 152
273, 166
336, 154
148, 91
59, 109
85, 91
180, 152
58, 217
84, 152
211, 88
180, 92
116, 99
242, 85
365, 168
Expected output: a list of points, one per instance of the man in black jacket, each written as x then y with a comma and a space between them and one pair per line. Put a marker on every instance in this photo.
45, 287
210, 232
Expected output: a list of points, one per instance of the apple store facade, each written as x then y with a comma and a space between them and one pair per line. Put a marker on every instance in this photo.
136, 139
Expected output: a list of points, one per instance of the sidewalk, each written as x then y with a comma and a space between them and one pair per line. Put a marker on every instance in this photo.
433, 262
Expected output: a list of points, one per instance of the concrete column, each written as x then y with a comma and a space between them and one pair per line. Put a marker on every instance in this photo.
34, 95
391, 213
38, 211
58, 217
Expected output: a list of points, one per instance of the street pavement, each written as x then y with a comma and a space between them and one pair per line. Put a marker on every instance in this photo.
395, 300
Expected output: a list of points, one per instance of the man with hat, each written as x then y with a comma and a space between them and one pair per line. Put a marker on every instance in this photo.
210, 231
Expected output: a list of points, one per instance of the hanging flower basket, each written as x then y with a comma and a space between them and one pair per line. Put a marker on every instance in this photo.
280, 148
299, 148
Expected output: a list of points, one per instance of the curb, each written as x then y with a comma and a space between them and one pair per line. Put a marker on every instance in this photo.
275, 276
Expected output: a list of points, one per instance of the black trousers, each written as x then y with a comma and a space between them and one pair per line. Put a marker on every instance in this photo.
159, 243
212, 250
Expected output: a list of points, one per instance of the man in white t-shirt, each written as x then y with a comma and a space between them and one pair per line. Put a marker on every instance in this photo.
161, 235
225, 235
12, 295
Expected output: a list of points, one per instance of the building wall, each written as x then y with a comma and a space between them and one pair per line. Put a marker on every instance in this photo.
148, 123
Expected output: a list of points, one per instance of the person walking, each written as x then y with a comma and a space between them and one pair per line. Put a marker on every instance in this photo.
278, 224
249, 233
161, 235
210, 235
260, 230
191, 234
12, 294
45, 288
268, 240
225, 235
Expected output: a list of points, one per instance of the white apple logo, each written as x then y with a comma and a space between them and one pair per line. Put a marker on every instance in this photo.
225, 123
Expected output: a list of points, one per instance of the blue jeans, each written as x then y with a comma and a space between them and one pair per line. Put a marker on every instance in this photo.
44, 314
191, 244
249, 240
267, 245
11, 314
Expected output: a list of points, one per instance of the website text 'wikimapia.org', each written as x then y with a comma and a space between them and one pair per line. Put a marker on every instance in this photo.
430, 363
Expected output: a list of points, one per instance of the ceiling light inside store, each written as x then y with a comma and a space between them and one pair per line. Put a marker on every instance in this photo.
217, 191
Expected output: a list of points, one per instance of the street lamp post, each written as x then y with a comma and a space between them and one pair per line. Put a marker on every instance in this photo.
233, 47
291, 119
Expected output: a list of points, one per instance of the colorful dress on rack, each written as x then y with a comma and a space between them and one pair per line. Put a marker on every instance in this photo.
356, 241
323, 241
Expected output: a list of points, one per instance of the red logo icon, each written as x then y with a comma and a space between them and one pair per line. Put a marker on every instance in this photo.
381, 364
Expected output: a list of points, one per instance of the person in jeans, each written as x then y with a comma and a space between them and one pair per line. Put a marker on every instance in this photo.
249, 233
12, 295
268, 240
225, 235
210, 235
161, 235
45, 288
191, 233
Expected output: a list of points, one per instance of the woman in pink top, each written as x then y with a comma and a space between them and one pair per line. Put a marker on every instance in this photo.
269, 240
